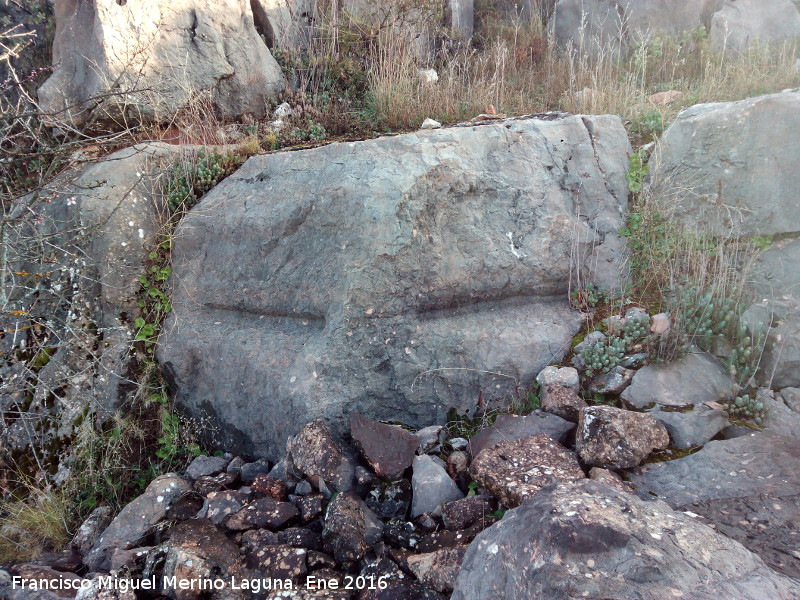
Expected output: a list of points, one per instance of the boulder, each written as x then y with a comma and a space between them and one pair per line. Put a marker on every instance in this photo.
692, 428
738, 24
561, 401
438, 569
612, 383
130, 61
588, 540
759, 463
431, 486
566, 376
350, 528
614, 438
388, 449
198, 550
449, 278
515, 471
780, 362
702, 379
508, 428
748, 487
90, 529
728, 166
204, 466
315, 451
135, 520
284, 24
603, 26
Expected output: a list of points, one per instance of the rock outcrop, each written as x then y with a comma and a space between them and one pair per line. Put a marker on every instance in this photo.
589, 540
131, 61
396, 277
728, 168
741, 23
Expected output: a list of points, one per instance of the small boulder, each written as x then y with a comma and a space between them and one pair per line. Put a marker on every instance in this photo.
279, 561
429, 438
566, 376
206, 466
612, 383
136, 519
431, 486
591, 541
702, 379
460, 514
219, 505
91, 529
513, 427
515, 471
314, 451
562, 401
438, 569
617, 439
350, 528
609, 478
388, 449
693, 428
261, 513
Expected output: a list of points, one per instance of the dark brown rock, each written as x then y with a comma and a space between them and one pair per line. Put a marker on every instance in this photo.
609, 478
438, 569
91, 529
205, 484
196, 549
350, 528
264, 512
310, 507
460, 514
562, 401
388, 449
272, 487
314, 451
278, 562
206, 466
617, 439
515, 471
220, 505
254, 539
300, 537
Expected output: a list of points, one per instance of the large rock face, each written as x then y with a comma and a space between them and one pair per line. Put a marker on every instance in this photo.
596, 26
587, 540
395, 277
730, 169
149, 59
740, 23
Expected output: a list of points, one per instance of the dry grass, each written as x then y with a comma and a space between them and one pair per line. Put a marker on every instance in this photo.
519, 70
39, 523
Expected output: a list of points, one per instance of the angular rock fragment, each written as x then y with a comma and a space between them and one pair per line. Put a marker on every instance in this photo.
388, 449
614, 438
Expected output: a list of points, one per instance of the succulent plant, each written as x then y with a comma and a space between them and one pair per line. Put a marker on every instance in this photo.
747, 407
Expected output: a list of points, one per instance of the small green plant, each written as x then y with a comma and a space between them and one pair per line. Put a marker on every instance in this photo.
586, 298
190, 180
637, 171
747, 407
762, 242
606, 354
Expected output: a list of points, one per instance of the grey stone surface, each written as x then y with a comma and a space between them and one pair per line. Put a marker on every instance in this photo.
565, 376
701, 377
759, 463
592, 541
136, 519
160, 55
780, 362
597, 26
728, 167
394, 277
206, 465
693, 428
431, 486
508, 428
741, 23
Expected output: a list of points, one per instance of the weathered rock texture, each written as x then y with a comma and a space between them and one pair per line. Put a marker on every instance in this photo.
617, 25
151, 59
589, 540
516, 471
741, 23
729, 168
617, 439
394, 277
